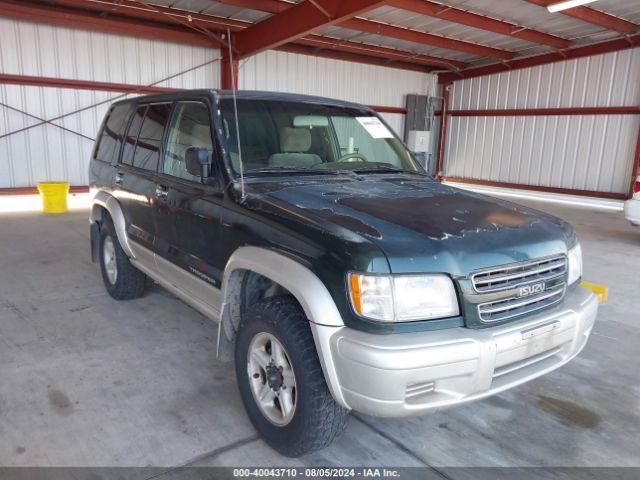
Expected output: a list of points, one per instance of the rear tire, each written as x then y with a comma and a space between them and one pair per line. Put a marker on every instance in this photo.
122, 280
278, 327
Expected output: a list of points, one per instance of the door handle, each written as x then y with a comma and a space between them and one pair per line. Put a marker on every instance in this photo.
119, 178
161, 192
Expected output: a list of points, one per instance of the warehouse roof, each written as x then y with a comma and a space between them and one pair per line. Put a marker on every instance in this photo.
458, 38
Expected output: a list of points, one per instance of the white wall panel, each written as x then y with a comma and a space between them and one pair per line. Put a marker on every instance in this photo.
611, 79
47, 152
585, 153
577, 152
356, 82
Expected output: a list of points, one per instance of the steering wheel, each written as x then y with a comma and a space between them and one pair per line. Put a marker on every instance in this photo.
352, 157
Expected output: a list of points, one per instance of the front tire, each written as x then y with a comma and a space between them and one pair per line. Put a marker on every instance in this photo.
281, 382
122, 280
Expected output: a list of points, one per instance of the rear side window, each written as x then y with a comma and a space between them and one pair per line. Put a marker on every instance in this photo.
132, 135
147, 151
111, 138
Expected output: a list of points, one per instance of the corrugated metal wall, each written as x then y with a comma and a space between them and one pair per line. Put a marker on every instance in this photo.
577, 152
356, 82
47, 152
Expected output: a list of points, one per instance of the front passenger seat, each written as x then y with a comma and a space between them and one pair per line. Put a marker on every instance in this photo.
294, 143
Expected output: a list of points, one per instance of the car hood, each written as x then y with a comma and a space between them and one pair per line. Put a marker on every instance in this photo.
419, 224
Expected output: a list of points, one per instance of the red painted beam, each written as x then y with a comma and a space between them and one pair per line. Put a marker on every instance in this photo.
595, 17
376, 51
119, 87
538, 188
352, 57
32, 81
96, 22
170, 16
155, 13
297, 22
34, 190
383, 109
269, 6
515, 64
228, 71
409, 35
442, 135
434, 10
532, 112
368, 26
482, 22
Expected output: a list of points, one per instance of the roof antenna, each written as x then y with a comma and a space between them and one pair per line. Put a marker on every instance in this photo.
235, 111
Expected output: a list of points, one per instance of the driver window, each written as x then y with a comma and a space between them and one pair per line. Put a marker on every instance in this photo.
190, 127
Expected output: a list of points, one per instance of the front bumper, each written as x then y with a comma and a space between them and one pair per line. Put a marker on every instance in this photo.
632, 210
406, 374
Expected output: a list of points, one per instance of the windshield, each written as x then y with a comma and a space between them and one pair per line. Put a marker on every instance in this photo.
279, 136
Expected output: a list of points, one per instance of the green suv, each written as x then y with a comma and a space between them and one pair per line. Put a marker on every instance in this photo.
342, 277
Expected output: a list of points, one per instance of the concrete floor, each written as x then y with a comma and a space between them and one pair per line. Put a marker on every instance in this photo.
88, 381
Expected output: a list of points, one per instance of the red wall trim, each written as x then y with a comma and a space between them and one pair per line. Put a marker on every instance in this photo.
384, 109
34, 190
566, 191
530, 112
120, 87
80, 84
515, 64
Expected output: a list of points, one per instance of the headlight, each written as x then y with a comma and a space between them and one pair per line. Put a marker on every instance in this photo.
574, 259
403, 298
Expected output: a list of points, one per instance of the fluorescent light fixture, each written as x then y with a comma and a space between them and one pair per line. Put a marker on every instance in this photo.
559, 6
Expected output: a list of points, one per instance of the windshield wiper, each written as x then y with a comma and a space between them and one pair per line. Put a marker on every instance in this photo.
384, 169
292, 170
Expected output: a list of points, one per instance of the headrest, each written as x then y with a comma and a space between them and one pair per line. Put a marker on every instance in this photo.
295, 139
201, 134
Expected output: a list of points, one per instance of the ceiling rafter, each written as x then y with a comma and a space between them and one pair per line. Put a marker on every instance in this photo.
595, 17
432, 9
131, 17
615, 45
94, 21
351, 57
415, 36
482, 22
377, 51
296, 22
208, 21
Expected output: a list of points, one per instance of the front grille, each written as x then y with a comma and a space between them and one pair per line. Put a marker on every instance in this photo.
511, 276
509, 308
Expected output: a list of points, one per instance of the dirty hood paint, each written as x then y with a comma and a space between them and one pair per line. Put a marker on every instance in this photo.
420, 224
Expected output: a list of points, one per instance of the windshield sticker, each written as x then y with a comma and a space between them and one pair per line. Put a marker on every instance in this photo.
375, 127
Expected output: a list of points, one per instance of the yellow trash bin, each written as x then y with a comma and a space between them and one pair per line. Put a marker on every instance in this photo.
54, 196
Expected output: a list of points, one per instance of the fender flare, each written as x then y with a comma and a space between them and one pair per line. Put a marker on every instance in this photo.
304, 285
111, 205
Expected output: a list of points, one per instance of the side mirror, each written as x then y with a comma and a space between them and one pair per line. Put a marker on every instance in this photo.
197, 162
